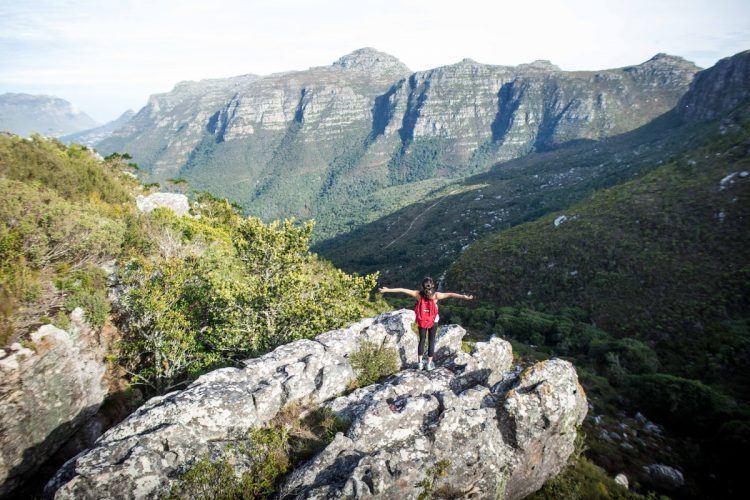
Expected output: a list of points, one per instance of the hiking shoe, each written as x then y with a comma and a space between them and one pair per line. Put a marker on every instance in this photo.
430, 366
421, 365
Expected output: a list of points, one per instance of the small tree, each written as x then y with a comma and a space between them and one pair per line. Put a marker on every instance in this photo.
373, 362
160, 345
240, 288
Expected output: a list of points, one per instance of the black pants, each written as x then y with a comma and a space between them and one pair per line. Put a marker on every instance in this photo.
431, 342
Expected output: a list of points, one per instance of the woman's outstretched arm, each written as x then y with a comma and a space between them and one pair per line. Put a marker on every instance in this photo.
451, 295
412, 293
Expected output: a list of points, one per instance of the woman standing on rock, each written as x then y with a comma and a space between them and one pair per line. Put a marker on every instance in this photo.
426, 310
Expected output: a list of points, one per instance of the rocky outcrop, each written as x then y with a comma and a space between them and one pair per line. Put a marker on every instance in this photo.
47, 391
493, 440
663, 476
622, 480
500, 432
177, 202
717, 90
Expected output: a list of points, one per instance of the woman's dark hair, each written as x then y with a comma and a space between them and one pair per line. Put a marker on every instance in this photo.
428, 288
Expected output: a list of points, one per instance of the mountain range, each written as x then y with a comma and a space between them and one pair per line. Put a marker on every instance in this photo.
426, 237
348, 143
92, 136
24, 114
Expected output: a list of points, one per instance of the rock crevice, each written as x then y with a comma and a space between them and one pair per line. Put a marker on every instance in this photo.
48, 390
400, 428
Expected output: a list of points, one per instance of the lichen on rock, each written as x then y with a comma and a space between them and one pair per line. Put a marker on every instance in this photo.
177, 202
47, 391
484, 432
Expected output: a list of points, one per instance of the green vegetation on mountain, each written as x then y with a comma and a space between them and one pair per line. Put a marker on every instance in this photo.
357, 140
628, 255
197, 291
663, 258
63, 213
220, 287
659, 263
72, 172
424, 238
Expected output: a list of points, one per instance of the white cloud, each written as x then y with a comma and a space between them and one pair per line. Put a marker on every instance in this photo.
109, 55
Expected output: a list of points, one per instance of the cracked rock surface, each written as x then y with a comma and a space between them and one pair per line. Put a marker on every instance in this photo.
501, 434
498, 438
46, 393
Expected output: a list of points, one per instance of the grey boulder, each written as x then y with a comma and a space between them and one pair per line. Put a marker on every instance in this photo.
664, 476
494, 435
46, 393
177, 202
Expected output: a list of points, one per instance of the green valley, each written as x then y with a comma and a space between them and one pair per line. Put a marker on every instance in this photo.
655, 269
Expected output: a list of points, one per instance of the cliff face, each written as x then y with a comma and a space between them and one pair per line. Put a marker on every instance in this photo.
717, 90
46, 394
499, 433
532, 107
304, 143
170, 124
525, 188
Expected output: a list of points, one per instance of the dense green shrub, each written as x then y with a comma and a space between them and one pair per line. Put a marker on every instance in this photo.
373, 362
265, 456
633, 355
51, 229
62, 212
18, 282
160, 344
70, 171
684, 405
268, 453
222, 287
86, 288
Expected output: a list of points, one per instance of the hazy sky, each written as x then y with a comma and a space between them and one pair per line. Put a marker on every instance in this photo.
107, 56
